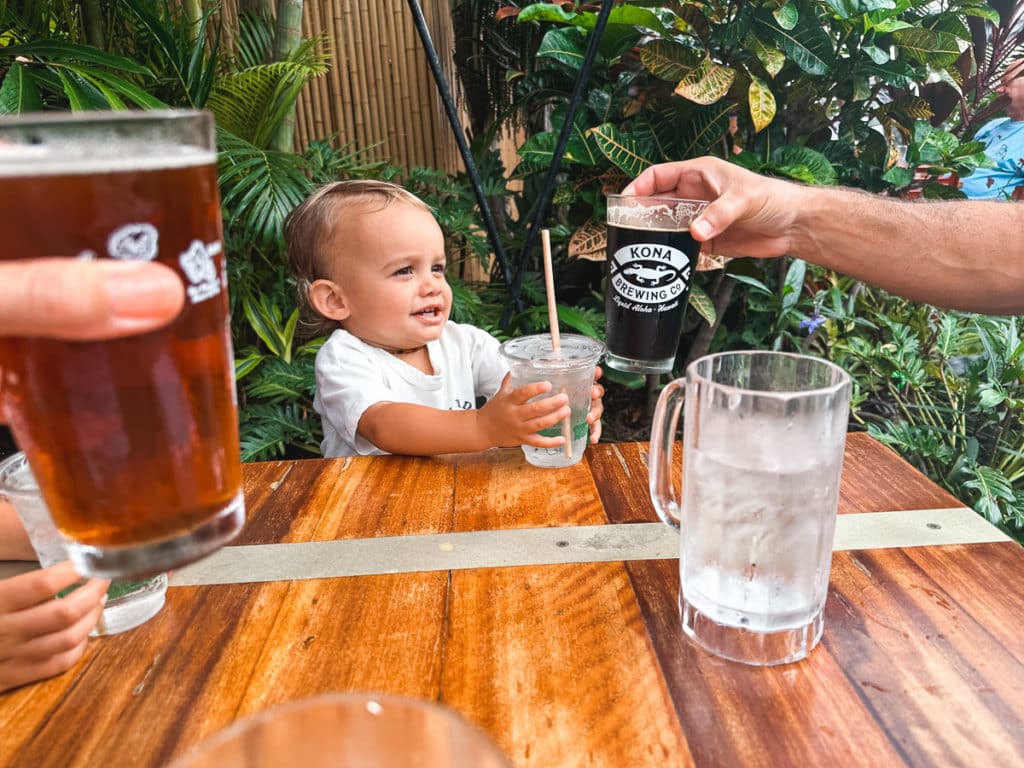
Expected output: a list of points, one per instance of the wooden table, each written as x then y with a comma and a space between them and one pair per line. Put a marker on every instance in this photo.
576, 659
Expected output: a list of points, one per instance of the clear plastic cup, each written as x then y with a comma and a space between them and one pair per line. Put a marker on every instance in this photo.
570, 370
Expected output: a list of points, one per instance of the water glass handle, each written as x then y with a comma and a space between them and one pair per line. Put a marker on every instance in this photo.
663, 432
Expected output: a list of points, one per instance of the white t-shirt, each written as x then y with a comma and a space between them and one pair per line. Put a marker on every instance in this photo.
351, 376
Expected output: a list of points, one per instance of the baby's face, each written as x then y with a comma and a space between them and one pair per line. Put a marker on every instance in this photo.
392, 276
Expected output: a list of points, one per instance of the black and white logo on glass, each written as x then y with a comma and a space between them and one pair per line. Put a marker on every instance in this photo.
647, 273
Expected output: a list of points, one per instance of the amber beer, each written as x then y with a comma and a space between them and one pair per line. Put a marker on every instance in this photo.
134, 441
651, 260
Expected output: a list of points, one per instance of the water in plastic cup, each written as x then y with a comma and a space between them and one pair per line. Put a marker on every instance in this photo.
130, 602
570, 370
763, 443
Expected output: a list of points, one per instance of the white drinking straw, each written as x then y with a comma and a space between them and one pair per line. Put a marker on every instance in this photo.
556, 340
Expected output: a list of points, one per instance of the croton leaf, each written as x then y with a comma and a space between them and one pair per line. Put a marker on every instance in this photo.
702, 304
565, 45
707, 83
762, 104
803, 160
787, 15
772, 59
545, 12
809, 47
848, 9
928, 46
669, 60
589, 241
622, 150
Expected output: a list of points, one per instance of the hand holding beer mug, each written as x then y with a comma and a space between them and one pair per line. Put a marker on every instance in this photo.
651, 260
134, 440
763, 440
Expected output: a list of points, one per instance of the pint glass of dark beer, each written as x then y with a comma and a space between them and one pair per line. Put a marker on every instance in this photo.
651, 259
133, 441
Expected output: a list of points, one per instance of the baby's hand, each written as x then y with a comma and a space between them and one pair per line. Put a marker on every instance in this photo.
596, 407
509, 419
41, 637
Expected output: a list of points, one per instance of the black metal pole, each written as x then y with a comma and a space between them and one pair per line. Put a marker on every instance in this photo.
460, 138
544, 201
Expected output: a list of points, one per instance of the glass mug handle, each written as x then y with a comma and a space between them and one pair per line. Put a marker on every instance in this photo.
663, 431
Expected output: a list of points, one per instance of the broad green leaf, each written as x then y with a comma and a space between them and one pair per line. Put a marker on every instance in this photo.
621, 150
696, 130
926, 46
930, 144
847, 9
669, 60
809, 47
19, 92
968, 149
703, 304
787, 15
773, 60
990, 397
545, 12
898, 177
794, 283
564, 45
762, 104
877, 55
624, 15
884, 22
706, 84
577, 320
895, 72
982, 12
817, 164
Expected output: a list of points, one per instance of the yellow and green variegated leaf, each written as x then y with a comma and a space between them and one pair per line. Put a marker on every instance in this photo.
692, 19
589, 241
772, 58
702, 304
927, 46
787, 15
669, 60
762, 103
913, 106
707, 83
622, 151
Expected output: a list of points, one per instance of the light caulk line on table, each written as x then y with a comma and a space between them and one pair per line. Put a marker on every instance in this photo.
547, 546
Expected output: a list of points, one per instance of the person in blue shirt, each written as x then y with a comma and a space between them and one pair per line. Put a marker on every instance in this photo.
1004, 144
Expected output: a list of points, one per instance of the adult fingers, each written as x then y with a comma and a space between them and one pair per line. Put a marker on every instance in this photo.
61, 642
15, 672
74, 299
35, 587
57, 615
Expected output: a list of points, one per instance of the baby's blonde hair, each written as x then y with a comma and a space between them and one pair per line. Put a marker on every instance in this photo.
309, 226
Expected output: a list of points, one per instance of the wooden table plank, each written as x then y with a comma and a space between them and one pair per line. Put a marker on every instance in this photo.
552, 661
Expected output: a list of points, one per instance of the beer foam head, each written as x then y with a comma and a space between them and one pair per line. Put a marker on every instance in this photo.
91, 157
669, 214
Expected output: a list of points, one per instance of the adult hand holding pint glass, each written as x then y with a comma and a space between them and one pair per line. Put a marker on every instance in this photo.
763, 440
651, 260
133, 441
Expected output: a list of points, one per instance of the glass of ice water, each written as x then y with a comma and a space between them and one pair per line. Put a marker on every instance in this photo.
763, 439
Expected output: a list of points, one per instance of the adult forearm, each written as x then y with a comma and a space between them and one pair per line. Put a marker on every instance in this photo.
961, 255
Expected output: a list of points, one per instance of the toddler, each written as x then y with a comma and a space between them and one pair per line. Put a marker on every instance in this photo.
395, 375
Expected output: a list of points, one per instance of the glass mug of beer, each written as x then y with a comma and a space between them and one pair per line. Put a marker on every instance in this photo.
133, 441
651, 261
763, 440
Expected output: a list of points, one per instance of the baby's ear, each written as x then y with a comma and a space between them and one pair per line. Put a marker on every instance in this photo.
327, 299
